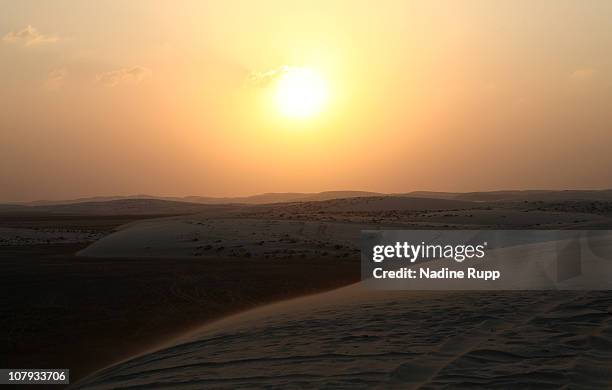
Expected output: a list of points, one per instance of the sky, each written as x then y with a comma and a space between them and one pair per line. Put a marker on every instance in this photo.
175, 98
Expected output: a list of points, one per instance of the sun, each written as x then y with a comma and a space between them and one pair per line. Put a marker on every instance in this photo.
300, 93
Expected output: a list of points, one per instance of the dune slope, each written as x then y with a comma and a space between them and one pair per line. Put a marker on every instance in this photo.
359, 338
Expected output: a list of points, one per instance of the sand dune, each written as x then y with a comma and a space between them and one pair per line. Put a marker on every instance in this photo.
285, 197
274, 197
396, 340
313, 228
358, 338
203, 237
351, 338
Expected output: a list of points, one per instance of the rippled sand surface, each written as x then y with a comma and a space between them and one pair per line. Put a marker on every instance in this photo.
352, 338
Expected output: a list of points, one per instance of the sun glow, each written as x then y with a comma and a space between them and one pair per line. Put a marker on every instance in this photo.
300, 93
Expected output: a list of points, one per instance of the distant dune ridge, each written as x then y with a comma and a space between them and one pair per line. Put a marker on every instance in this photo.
146, 204
113, 207
276, 197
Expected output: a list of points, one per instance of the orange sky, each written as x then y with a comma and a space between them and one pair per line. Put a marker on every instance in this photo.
163, 97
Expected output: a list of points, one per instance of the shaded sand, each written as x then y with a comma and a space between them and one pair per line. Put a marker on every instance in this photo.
355, 339
358, 338
85, 313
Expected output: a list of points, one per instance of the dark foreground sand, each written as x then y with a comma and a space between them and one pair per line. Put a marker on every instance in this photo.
60, 310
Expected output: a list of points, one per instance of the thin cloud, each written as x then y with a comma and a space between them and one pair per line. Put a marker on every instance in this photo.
29, 36
262, 79
134, 74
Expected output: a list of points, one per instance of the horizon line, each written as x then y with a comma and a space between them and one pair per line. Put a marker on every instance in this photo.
220, 197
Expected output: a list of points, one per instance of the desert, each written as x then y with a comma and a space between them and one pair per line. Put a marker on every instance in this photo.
162, 276
315, 194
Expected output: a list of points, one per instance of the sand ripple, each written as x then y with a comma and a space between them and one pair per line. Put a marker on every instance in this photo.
392, 340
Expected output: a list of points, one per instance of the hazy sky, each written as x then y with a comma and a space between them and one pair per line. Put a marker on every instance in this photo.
166, 98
